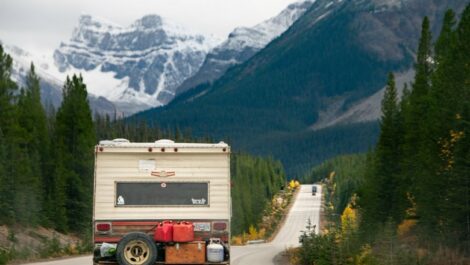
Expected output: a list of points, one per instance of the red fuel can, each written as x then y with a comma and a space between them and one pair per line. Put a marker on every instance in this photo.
164, 232
183, 232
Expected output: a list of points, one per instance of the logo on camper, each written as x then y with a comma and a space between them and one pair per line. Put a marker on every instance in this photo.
163, 173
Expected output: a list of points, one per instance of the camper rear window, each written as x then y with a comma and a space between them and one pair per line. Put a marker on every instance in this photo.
162, 194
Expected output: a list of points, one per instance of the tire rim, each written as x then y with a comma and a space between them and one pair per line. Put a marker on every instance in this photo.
136, 252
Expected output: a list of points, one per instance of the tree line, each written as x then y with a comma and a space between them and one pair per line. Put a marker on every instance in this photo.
255, 181
421, 165
408, 200
46, 157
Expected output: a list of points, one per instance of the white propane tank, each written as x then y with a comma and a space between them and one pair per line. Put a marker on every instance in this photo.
215, 251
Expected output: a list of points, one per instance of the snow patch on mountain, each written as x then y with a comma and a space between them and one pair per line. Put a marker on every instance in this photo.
52, 81
263, 33
243, 43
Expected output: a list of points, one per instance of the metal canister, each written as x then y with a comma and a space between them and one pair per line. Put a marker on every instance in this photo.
215, 251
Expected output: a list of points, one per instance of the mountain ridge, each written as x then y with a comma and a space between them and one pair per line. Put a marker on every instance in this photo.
334, 50
242, 43
147, 59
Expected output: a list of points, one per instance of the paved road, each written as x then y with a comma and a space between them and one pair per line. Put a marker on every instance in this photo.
84, 260
305, 207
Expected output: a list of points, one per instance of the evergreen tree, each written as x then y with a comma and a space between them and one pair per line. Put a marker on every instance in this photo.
458, 193
8, 127
32, 120
74, 141
446, 40
7, 91
250, 177
385, 195
417, 167
5, 209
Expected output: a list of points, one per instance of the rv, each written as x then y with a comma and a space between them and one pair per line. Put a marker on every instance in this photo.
161, 203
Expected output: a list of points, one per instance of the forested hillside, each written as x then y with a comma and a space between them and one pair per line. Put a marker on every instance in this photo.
255, 181
412, 204
347, 174
46, 158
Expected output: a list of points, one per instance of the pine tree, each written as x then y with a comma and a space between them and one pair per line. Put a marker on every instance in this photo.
434, 132
32, 120
384, 196
75, 138
446, 40
7, 91
8, 127
417, 134
4, 185
458, 194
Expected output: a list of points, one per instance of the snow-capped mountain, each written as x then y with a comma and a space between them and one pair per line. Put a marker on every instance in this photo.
139, 65
51, 86
243, 43
143, 65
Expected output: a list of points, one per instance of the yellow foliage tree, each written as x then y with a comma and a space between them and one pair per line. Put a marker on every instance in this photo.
297, 184
405, 227
292, 184
349, 222
253, 233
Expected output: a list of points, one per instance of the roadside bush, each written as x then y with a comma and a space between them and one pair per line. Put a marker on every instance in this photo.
320, 249
51, 248
4, 256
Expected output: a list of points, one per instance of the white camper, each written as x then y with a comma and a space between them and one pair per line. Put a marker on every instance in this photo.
180, 189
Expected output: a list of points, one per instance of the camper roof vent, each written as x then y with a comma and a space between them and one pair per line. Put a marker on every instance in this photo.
164, 141
106, 142
120, 141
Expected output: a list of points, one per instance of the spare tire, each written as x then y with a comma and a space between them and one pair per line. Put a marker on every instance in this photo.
136, 249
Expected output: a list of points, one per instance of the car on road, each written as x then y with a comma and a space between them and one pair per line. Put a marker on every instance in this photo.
314, 190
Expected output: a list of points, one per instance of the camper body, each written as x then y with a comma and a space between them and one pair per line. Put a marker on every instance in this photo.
138, 187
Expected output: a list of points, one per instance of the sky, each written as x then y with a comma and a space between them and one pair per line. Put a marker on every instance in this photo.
39, 26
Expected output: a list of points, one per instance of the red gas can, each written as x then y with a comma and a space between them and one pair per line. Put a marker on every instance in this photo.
183, 232
164, 232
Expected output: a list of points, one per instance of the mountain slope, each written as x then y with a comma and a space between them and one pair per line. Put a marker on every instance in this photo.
243, 43
51, 87
338, 49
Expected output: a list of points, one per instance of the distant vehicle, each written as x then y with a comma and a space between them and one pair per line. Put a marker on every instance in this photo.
161, 203
314, 190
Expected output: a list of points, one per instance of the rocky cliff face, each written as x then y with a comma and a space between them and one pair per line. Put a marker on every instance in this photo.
142, 63
51, 86
133, 68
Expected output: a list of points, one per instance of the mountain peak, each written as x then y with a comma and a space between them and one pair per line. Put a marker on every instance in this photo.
243, 42
149, 21
87, 20
143, 62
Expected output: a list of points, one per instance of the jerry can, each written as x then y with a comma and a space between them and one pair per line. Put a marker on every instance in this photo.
164, 232
183, 232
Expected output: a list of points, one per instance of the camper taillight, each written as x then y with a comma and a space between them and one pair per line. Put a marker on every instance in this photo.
103, 227
219, 226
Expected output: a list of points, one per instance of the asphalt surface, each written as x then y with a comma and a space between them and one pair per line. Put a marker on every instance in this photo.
306, 207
